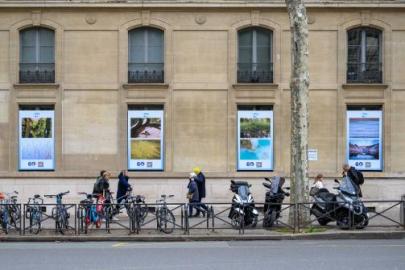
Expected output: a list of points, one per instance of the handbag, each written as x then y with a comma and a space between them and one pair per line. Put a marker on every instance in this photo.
189, 195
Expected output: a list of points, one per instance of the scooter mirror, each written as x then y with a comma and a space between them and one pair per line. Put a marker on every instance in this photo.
337, 181
267, 179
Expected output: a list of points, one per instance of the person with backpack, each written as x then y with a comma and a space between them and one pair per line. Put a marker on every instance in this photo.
96, 187
354, 175
192, 195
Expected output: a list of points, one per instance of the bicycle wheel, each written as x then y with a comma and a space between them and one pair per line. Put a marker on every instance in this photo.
132, 218
81, 218
35, 221
4, 221
62, 223
15, 215
166, 221
144, 210
107, 216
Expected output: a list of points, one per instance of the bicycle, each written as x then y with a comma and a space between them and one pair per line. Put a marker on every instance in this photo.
165, 219
87, 213
10, 212
60, 213
34, 213
137, 210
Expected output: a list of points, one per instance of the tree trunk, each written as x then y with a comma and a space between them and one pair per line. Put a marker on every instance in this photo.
299, 107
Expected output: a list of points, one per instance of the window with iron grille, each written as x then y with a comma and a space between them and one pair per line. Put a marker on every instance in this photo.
37, 55
364, 57
255, 55
145, 55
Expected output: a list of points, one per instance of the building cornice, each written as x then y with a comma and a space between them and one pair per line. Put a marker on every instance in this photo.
199, 3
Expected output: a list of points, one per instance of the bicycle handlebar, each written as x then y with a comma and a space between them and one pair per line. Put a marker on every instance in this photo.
55, 195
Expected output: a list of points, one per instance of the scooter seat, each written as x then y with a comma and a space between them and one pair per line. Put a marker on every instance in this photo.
327, 196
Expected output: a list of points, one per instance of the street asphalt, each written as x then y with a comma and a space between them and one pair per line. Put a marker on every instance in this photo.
233, 255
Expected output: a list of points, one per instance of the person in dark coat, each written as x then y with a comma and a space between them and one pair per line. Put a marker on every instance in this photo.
123, 186
192, 195
104, 184
200, 180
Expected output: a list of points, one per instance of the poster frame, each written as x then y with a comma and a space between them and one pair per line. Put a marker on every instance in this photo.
142, 111
21, 113
365, 113
270, 111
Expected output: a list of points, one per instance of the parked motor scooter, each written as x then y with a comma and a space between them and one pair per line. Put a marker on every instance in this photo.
345, 207
273, 200
243, 211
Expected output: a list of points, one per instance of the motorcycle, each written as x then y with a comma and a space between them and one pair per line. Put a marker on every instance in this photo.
243, 211
273, 200
345, 207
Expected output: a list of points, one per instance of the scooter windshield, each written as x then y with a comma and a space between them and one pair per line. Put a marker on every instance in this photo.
243, 192
348, 187
276, 183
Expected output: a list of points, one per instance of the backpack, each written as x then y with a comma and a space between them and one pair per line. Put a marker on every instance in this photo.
97, 189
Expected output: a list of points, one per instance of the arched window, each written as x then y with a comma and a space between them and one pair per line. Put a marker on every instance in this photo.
37, 55
255, 63
364, 57
146, 55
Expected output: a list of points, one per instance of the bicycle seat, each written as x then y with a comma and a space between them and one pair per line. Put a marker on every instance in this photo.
36, 196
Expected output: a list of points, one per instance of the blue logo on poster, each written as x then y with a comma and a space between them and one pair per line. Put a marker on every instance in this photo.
140, 164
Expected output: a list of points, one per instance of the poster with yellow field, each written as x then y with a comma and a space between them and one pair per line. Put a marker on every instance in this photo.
145, 140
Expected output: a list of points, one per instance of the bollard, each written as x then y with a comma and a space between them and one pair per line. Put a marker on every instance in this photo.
402, 211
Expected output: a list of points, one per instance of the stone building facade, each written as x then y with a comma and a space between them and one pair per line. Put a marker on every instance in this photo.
92, 61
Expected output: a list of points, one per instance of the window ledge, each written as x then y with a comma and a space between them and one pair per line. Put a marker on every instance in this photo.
255, 86
364, 86
152, 86
36, 85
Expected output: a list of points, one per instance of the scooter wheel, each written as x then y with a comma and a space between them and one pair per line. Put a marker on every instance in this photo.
323, 221
235, 221
363, 222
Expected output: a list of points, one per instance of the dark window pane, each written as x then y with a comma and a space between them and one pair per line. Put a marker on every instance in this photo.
146, 45
364, 56
354, 37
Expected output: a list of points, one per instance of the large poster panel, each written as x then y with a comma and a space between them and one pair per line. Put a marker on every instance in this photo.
145, 140
364, 140
255, 140
36, 140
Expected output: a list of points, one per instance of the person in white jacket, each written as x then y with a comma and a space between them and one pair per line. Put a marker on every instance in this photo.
318, 183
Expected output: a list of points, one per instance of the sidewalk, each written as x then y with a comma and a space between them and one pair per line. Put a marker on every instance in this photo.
199, 230
208, 235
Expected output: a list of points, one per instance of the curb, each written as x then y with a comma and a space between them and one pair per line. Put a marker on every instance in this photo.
186, 238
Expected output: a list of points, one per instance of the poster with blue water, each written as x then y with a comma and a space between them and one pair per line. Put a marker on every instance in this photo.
36, 140
364, 140
255, 140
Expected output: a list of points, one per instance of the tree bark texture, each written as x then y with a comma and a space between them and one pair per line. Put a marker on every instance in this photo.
299, 105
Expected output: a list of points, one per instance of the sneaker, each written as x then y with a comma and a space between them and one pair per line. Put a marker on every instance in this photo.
114, 218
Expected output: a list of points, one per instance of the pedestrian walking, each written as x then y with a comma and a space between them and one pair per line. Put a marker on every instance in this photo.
192, 195
200, 180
